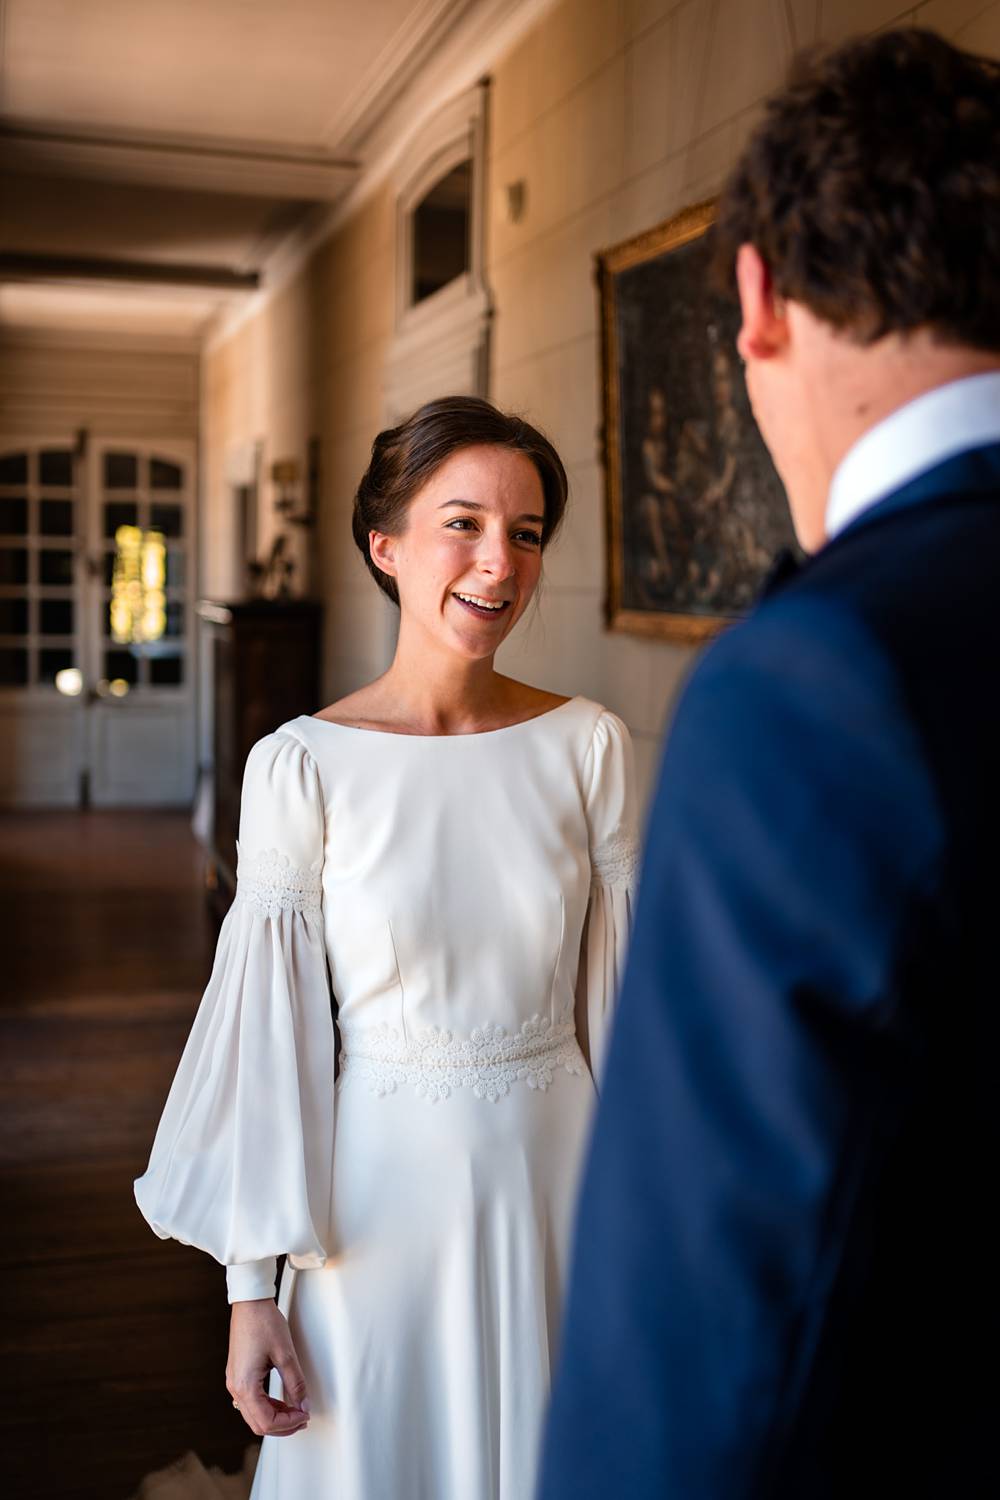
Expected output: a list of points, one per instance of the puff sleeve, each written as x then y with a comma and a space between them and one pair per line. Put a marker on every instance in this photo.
612, 821
241, 1165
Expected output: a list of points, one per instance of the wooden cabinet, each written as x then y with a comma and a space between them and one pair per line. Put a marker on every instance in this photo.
265, 670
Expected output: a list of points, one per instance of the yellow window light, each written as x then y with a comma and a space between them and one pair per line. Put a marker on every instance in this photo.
138, 610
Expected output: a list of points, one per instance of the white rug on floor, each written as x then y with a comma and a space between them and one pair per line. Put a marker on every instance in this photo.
188, 1479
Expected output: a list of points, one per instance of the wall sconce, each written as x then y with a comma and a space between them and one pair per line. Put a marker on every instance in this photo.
286, 476
273, 576
513, 201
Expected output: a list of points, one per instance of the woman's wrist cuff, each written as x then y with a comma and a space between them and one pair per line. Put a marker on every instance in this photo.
252, 1280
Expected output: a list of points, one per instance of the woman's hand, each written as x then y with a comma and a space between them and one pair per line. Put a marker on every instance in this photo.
259, 1338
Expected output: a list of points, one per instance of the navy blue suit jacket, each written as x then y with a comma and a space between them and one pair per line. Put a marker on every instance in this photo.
785, 1280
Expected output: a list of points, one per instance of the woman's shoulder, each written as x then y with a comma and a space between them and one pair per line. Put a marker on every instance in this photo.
603, 722
536, 701
524, 701
286, 745
584, 716
283, 765
357, 710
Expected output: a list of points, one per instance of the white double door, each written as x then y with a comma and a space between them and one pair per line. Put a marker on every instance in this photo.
97, 659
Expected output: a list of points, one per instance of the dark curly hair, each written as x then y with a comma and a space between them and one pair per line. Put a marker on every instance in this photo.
404, 458
872, 190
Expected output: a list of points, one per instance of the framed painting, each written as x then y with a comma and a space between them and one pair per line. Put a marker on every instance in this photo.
695, 509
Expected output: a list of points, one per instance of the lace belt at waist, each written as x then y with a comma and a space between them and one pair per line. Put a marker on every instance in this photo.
435, 1061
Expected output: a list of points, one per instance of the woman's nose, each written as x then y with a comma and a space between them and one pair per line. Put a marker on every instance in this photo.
496, 558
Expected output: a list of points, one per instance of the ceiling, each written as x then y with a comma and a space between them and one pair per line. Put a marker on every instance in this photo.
157, 152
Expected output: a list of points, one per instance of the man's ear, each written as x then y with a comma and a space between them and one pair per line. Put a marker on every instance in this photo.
381, 548
764, 331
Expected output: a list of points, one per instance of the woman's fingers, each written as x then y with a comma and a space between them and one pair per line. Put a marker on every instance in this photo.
255, 1409
284, 1421
293, 1382
270, 1418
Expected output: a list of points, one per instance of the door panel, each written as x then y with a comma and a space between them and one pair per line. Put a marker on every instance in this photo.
141, 730
96, 621
42, 529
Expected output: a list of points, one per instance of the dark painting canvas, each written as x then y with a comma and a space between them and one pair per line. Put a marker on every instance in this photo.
696, 510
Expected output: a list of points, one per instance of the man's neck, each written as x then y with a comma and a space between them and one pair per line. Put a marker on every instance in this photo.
850, 388
956, 417
868, 385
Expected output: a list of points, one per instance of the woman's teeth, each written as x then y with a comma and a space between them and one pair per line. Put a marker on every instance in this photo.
489, 606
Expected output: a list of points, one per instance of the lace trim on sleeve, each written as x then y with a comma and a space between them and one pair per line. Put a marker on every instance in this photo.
270, 883
615, 861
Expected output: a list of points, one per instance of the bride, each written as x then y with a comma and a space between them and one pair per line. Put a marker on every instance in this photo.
459, 849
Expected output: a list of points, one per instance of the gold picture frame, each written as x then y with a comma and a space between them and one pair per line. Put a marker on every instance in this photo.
694, 509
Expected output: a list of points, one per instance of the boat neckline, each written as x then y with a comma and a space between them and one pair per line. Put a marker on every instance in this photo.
472, 734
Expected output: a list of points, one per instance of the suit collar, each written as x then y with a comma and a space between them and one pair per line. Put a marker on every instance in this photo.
955, 418
785, 567
972, 472
975, 472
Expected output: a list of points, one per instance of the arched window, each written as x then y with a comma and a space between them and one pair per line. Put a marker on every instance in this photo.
442, 224
443, 304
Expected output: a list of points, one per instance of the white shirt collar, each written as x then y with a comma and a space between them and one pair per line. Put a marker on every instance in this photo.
951, 419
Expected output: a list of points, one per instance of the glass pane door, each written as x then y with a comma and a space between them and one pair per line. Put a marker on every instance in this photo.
145, 521
96, 563
40, 539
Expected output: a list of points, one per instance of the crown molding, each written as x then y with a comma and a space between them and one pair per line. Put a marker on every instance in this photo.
77, 270
258, 169
399, 63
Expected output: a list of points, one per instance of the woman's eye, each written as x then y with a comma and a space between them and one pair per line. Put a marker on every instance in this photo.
466, 523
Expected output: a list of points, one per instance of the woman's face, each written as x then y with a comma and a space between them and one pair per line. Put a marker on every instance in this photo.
470, 555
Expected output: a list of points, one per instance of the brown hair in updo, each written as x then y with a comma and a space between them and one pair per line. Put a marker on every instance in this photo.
404, 458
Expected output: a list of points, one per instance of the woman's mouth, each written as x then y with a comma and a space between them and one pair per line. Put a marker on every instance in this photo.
485, 609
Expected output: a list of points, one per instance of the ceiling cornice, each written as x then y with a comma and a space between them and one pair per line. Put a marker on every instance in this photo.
257, 169
425, 29
83, 269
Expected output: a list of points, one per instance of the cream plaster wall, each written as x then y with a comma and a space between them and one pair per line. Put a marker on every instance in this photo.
615, 114
311, 362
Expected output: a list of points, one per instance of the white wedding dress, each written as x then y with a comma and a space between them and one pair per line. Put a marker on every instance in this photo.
470, 894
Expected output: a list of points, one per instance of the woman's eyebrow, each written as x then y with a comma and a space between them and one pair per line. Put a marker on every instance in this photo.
474, 505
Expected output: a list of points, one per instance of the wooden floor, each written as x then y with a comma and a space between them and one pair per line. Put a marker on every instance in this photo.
113, 1343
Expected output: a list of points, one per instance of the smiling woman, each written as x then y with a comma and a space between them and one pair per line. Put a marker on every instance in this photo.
452, 517
406, 457
458, 849
484, 553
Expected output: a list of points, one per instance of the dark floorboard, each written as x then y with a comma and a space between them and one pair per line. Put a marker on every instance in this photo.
112, 1342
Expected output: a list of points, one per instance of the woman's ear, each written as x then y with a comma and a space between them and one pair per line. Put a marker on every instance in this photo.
382, 549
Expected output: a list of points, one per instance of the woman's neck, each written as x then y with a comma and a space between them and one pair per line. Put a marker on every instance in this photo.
431, 691
446, 706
